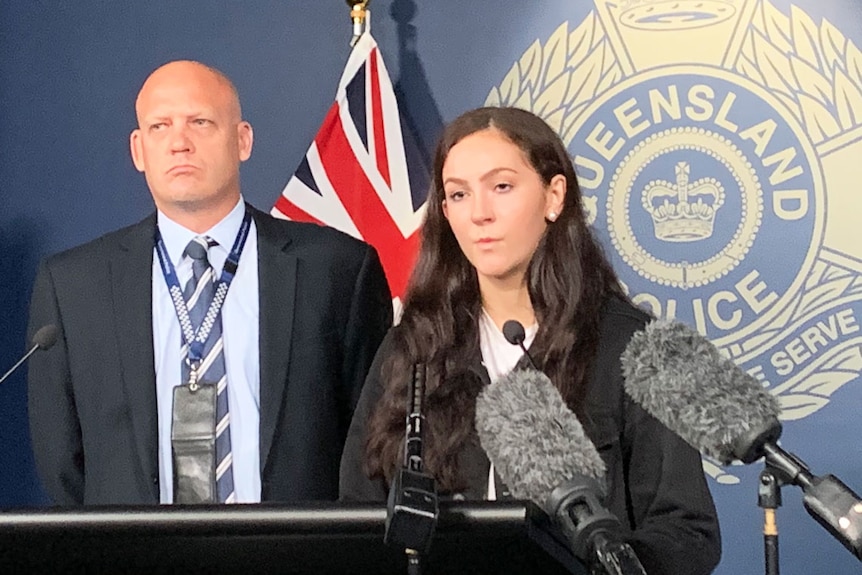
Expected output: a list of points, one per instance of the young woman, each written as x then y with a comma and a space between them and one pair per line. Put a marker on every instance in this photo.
505, 237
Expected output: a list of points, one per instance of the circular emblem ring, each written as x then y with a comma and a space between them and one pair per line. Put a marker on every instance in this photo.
741, 170
745, 183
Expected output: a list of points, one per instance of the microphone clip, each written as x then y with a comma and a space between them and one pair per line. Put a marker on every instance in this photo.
413, 511
413, 506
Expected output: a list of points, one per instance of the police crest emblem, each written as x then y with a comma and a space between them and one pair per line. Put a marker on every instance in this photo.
718, 145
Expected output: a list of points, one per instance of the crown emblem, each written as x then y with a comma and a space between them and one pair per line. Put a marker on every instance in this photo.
684, 211
676, 14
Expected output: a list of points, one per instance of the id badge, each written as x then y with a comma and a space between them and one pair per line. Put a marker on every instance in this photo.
193, 443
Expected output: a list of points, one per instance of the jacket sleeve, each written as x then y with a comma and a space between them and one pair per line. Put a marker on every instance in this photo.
369, 320
54, 428
676, 529
354, 484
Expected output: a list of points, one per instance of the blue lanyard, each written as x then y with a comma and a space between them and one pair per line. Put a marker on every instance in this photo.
197, 340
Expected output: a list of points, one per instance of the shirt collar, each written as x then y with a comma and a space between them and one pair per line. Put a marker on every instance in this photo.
177, 237
496, 332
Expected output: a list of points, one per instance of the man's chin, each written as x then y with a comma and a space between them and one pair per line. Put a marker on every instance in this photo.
195, 200
194, 204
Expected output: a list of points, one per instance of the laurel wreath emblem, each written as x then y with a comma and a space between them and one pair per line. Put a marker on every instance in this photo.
815, 71
558, 81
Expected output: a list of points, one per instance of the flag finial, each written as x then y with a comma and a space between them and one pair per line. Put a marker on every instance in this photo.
361, 17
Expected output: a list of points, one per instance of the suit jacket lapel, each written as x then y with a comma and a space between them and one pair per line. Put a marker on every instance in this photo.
132, 288
277, 287
477, 366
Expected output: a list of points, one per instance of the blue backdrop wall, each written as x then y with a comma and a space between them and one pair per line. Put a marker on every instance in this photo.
778, 260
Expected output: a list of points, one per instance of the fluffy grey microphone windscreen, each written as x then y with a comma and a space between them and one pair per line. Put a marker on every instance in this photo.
682, 380
534, 441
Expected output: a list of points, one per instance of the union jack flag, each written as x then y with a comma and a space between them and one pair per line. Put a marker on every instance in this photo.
354, 176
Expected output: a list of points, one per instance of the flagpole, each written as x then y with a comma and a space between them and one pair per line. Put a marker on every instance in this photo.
361, 17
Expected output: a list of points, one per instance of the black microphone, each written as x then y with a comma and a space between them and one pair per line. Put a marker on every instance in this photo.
541, 452
684, 381
413, 507
42, 339
514, 333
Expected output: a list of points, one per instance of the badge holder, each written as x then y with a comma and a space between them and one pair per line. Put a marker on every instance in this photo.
193, 441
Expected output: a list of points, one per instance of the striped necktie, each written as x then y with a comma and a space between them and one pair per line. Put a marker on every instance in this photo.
199, 293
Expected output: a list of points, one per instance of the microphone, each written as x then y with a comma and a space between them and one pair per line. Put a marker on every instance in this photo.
541, 452
514, 333
42, 339
412, 509
682, 380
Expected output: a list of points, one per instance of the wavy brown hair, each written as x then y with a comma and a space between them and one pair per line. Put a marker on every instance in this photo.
568, 279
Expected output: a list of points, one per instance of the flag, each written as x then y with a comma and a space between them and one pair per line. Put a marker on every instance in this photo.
354, 176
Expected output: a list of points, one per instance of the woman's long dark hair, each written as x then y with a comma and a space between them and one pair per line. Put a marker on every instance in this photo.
568, 279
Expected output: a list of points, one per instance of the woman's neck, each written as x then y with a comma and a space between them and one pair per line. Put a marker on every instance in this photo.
503, 302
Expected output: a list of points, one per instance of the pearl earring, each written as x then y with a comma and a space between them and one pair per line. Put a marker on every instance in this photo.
552, 216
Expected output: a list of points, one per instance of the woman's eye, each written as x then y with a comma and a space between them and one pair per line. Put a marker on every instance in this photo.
503, 187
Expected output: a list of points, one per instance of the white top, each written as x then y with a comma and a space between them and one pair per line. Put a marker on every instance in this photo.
499, 357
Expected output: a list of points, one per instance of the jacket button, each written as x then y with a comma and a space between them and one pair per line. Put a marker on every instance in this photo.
155, 479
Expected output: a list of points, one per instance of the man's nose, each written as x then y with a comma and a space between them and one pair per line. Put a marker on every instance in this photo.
180, 141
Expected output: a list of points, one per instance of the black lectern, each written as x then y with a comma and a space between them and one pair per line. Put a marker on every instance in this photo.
477, 537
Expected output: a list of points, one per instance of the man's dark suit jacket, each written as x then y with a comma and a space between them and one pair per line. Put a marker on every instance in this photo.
324, 308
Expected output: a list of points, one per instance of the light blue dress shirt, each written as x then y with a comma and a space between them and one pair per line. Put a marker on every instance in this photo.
240, 330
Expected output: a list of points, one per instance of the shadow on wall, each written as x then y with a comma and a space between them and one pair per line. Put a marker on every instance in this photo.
420, 119
19, 252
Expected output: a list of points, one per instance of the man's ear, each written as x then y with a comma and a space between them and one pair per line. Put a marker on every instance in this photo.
245, 139
136, 147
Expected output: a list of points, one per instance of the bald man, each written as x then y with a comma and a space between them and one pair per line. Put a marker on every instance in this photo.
306, 308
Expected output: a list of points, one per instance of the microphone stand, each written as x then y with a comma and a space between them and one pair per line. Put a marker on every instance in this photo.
825, 497
413, 507
769, 499
829, 501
